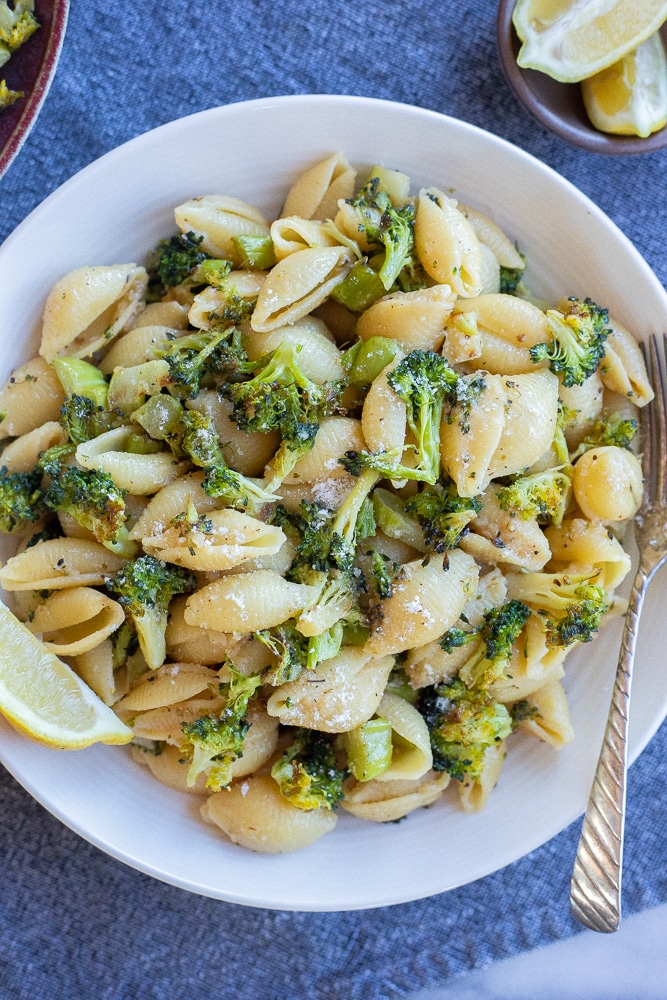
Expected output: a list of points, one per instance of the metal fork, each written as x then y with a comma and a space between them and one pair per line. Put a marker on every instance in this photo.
595, 890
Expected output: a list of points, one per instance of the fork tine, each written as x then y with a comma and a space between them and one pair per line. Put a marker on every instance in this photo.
658, 434
648, 425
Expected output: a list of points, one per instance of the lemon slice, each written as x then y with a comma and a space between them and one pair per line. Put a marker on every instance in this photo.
630, 97
42, 697
573, 39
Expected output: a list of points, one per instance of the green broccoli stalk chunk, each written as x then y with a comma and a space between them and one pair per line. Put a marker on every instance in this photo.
211, 743
307, 774
462, 724
145, 586
577, 343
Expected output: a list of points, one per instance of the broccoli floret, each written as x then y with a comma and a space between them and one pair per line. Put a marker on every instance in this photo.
291, 648
8, 96
511, 279
145, 586
572, 606
83, 420
235, 489
89, 496
423, 380
577, 343
308, 774
386, 226
462, 724
443, 515
213, 742
614, 430
497, 632
383, 571
281, 398
543, 495
521, 711
196, 356
181, 261
21, 501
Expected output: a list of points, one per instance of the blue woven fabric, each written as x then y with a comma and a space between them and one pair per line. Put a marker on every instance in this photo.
75, 924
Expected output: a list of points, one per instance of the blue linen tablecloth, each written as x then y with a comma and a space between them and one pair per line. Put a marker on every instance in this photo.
77, 924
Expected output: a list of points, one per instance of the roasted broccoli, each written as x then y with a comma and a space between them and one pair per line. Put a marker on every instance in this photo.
21, 501
494, 637
291, 648
383, 572
281, 398
89, 496
180, 260
542, 495
463, 723
577, 343
196, 357
571, 605
423, 380
145, 586
613, 430
212, 743
8, 96
386, 226
443, 515
511, 279
308, 774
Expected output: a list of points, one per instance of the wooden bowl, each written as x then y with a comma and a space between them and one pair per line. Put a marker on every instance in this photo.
559, 106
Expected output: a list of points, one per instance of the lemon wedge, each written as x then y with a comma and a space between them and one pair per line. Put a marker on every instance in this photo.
630, 97
571, 40
43, 698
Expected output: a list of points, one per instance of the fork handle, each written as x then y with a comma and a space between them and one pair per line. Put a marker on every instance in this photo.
595, 890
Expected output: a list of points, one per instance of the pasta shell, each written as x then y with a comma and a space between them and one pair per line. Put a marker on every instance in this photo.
338, 696
319, 358
426, 601
139, 345
219, 219
552, 723
76, 620
229, 538
446, 244
253, 813
292, 233
501, 537
22, 454
247, 602
59, 563
168, 685
315, 193
387, 801
138, 474
297, 285
411, 753
335, 436
416, 320
89, 307
31, 396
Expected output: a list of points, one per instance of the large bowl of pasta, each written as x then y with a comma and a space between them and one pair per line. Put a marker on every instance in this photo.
339, 424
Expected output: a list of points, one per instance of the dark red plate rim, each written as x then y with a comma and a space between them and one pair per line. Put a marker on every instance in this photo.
31, 70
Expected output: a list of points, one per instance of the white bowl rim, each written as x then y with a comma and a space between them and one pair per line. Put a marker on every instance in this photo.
320, 102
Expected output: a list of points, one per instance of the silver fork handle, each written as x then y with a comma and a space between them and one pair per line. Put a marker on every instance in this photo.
595, 890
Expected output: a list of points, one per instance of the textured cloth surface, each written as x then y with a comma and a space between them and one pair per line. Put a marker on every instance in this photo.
77, 924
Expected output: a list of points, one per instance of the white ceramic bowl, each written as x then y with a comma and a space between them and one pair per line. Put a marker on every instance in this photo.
116, 209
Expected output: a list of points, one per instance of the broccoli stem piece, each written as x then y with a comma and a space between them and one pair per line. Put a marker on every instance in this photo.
495, 638
213, 742
369, 749
145, 586
423, 380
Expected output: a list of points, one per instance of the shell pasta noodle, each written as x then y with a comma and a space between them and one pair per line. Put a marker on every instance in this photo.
320, 504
